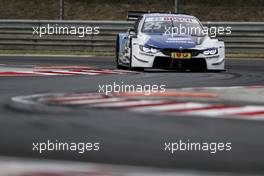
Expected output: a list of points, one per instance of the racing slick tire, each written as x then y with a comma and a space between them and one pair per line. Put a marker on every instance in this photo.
118, 66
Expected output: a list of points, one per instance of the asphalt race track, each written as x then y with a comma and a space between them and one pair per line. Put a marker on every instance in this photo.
129, 137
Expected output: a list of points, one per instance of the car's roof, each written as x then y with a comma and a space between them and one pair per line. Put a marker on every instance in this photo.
167, 14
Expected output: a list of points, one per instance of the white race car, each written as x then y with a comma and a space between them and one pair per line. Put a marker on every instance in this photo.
168, 41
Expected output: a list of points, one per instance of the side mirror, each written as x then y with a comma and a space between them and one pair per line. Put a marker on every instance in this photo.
132, 31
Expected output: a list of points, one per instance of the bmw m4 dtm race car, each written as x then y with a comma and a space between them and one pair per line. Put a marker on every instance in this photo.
168, 41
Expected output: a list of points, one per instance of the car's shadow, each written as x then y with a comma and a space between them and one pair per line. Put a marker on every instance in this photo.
180, 71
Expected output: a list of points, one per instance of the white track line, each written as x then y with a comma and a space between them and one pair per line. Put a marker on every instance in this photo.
71, 98
99, 71
54, 72
92, 101
46, 74
83, 72
65, 73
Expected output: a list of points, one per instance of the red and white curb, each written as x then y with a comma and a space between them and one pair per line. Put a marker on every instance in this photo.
168, 107
141, 104
58, 70
221, 88
30, 167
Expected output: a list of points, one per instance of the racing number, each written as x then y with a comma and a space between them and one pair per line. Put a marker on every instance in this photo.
153, 26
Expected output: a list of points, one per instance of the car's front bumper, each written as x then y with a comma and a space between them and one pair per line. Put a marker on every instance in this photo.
164, 61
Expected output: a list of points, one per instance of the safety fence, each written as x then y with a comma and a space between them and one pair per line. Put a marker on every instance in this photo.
246, 37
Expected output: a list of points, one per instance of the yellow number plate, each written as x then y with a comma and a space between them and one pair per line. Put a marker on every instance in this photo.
181, 55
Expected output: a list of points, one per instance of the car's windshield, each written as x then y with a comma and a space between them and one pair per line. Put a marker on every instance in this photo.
172, 26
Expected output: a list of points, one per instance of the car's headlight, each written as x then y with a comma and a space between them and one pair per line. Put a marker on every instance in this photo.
210, 51
148, 49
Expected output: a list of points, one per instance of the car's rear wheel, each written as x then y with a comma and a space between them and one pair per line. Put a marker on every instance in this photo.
118, 66
117, 53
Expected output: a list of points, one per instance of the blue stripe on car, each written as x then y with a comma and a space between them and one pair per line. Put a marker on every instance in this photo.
166, 41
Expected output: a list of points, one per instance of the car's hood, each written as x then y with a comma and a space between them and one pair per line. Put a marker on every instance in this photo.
176, 42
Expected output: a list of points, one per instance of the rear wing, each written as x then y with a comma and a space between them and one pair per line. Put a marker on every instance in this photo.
134, 15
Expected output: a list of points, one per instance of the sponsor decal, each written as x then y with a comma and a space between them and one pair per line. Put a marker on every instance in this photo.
172, 18
175, 55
